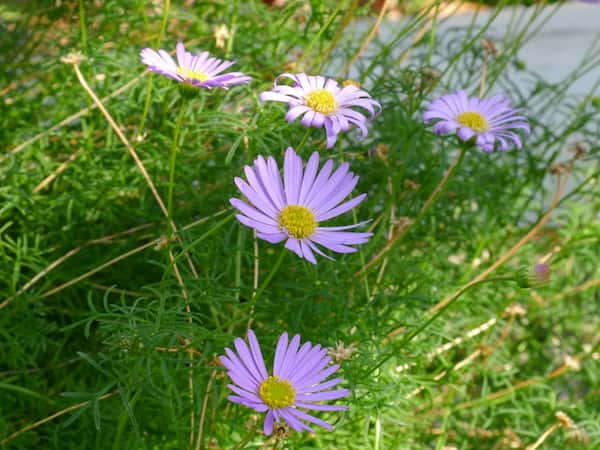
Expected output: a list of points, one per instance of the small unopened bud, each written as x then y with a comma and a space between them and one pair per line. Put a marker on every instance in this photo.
564, 420
73, 58
580, 149
572, 363
489, 46
379, 151
351, 83
221, 34
251, 423
410, 184
535, 276
561, 168
516, 309
162, 243
342, 352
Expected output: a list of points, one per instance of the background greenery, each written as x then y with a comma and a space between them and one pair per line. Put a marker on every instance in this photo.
488, 373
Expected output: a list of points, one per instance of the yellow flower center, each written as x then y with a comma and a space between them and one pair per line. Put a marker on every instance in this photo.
277, 393
191, 75
321, 100
298, 221
473, 120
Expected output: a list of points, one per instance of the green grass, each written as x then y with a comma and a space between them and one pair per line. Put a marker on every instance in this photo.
480, 376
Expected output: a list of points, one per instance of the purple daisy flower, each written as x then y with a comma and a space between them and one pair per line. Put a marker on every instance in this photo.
484, 120
298, 381
293, 209
199, 70
323, 104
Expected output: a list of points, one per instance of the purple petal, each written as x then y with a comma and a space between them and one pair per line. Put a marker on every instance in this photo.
329, 395
252, 213
465, 133
268, 425
307, 252
280, 350
347, 206
293, 422
319, 407
257, 354
309, 177
294, 245
292, 176
304, 416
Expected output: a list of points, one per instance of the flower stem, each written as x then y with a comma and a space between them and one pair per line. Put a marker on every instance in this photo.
161, 33
428, 203
437, 314
303, 141
440, 311
264, 285
173, 159
245, 440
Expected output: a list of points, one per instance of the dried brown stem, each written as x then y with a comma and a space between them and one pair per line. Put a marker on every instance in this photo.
203, 412
368, 39
56, 415
543, 437
254, 279
96, 269
72, 252
19, 148
165, 212
517, 386
402, 232
577, 289
60, 169
510, 253
135, 157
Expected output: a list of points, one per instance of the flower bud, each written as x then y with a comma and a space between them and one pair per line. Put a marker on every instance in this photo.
535, 276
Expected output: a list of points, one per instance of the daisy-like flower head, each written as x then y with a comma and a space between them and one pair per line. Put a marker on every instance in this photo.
293, 209
298, 381
323, 104
486, 121
197, 70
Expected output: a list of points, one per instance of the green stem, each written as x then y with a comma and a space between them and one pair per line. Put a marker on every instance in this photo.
303, 141
148, 100
265, 283
244, 440
432, 34
83, 28
346, 20
443, 183
204, 236
361, 254
429, 321
238, 263
173, 159
146, 104
426, 206
317, 37
414, 334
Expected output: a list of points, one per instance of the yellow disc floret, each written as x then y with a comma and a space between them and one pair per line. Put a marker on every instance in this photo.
298, 221
277, 393
473, 120
191, 75
321, 100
